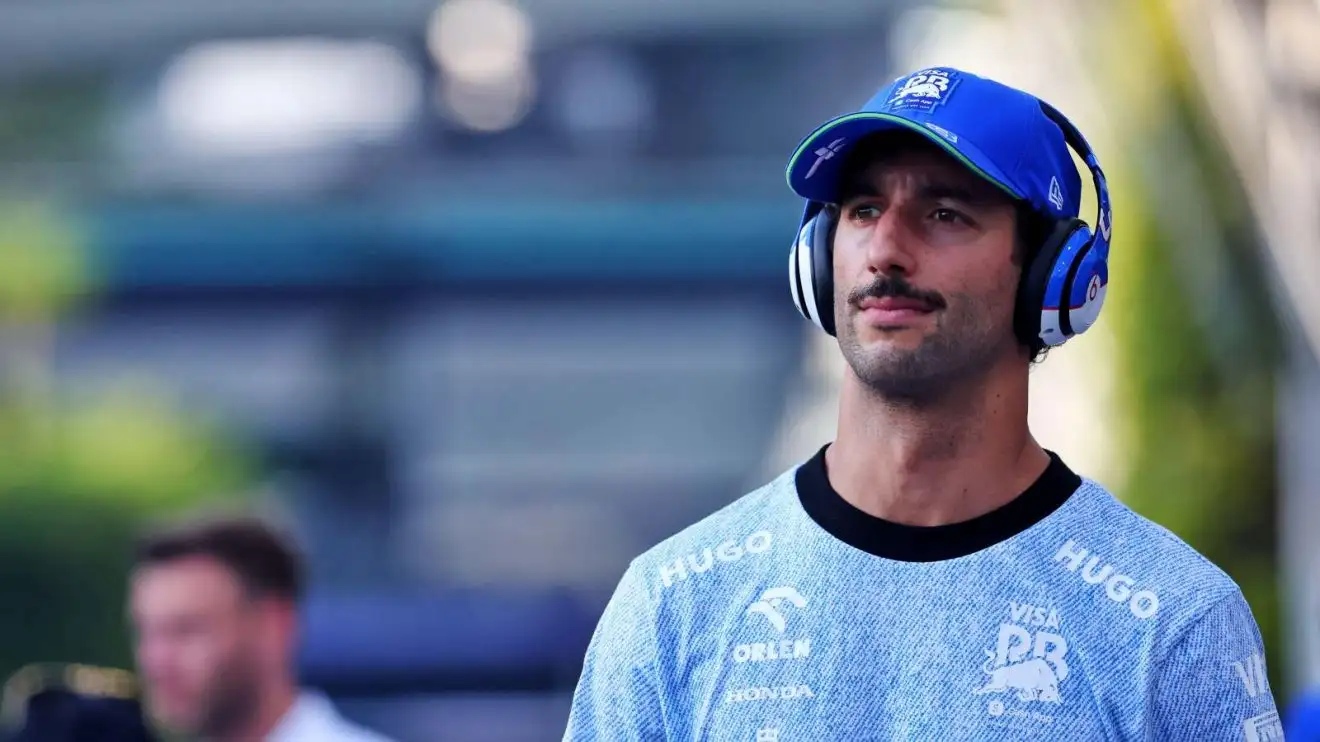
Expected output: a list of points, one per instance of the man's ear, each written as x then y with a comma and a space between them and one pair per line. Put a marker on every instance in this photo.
278, 622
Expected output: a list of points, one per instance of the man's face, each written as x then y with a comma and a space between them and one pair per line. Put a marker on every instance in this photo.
197, 643
925, 276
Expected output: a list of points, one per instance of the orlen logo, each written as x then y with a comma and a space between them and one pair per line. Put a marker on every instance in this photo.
729, 551
774, 599
769, 605
1142, 603
786, 649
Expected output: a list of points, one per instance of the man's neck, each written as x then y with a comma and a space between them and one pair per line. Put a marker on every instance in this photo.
274, 704
943, 461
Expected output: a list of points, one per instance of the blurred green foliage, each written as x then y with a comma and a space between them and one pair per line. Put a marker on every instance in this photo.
1197, 381
80, 470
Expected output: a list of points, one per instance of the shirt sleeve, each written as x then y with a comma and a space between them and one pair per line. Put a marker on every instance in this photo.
617, 698
1212, 685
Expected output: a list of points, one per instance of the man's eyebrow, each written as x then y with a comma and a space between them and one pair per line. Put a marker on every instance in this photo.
857, 188
862, 188
940, 191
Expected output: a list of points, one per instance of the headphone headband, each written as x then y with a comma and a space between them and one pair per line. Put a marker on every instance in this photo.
1073, 137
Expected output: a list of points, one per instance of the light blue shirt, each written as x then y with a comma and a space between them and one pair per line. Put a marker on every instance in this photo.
1070, 617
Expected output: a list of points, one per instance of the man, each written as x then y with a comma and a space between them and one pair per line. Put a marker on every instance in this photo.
214, 608
933, 573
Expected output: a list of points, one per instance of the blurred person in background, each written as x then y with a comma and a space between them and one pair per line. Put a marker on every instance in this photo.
934, 572
214, 608
1301, 719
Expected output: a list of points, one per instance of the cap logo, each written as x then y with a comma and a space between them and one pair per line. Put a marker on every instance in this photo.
943, 132
1056, 193
825, 153
924, 90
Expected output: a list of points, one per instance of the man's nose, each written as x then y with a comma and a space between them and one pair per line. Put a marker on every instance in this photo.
153, 654
889, 245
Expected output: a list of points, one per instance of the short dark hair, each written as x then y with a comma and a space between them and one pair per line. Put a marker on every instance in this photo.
1032, 228
266, 562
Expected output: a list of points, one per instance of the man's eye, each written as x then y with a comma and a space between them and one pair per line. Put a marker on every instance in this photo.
948, 216
865, 212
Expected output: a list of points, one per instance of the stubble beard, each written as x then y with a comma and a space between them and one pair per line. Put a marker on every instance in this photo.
962, 346
234, 701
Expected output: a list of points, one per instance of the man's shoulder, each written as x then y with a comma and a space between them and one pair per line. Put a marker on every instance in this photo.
315, 717
350, 732
743, 529
1109, 532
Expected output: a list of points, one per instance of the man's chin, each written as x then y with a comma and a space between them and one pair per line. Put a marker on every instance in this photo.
183, 721
902, 368
175, 724
892, 342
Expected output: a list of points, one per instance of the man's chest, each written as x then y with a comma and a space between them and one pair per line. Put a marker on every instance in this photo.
808, 661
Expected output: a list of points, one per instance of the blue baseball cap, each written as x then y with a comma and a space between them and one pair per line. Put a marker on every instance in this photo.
1000, 133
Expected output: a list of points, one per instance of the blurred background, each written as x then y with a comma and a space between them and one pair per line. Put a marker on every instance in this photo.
483, 298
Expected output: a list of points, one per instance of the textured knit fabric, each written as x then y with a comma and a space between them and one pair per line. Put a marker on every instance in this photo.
758, 625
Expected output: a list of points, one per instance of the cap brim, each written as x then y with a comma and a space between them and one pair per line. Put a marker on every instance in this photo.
814, 169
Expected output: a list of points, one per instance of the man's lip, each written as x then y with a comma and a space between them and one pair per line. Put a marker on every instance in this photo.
895, 303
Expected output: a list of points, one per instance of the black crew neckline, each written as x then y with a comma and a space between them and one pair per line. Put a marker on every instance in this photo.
906, 543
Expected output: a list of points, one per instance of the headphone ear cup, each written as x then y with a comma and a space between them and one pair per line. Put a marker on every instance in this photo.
1073, 288
822, 264
1034, 320
798, 283
1086, 290
811, 270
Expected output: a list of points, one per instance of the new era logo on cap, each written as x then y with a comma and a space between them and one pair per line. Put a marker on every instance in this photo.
1056, 193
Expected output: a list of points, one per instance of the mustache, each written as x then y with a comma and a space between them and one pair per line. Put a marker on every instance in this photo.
895, 287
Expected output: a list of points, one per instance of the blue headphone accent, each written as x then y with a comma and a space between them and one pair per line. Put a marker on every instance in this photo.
1062, 290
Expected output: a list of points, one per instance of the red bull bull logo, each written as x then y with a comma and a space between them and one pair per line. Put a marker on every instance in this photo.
1030, 665
1033, 680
